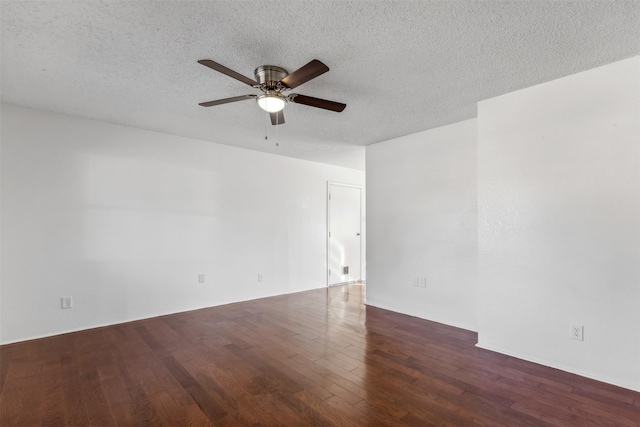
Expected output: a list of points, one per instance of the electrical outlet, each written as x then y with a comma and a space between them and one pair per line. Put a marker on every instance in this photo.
200, 278
577, 332
260, 278
67, 302
423, 282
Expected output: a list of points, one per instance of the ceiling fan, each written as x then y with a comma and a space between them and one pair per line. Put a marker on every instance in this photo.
273, 81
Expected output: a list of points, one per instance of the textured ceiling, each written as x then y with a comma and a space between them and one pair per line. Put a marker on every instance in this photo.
400, 66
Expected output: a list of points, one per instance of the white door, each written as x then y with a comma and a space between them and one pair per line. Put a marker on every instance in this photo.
344, 244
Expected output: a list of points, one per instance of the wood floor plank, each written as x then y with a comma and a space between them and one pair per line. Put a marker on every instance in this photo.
171, 412
588, 411
323, 380
316, 358
334, 416
200, 396
6, 356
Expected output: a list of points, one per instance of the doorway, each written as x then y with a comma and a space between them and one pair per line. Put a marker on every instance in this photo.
344, 237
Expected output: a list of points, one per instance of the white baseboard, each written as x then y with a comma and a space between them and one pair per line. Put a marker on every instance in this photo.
418, 315
561, 367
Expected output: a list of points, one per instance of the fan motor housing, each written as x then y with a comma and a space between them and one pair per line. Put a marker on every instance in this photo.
270, 75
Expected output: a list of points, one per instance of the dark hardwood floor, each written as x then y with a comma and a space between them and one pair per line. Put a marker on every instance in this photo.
317, 358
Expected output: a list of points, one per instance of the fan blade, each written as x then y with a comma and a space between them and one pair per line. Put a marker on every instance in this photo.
302, 75
224, 70
277, 118
226, 100
317, 102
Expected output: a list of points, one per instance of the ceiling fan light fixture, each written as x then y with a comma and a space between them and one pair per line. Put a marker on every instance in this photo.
272, 80
271, 102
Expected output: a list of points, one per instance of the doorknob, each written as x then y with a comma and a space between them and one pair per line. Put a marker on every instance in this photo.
357, 234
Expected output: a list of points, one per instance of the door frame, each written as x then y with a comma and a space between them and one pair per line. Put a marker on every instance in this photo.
341, 184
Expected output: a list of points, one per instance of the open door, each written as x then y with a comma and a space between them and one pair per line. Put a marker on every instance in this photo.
344, 234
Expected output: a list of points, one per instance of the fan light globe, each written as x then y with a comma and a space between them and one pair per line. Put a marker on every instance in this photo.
271, 103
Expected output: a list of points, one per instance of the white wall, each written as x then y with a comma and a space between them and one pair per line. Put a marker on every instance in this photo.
559, 223
125, 219
422, 222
